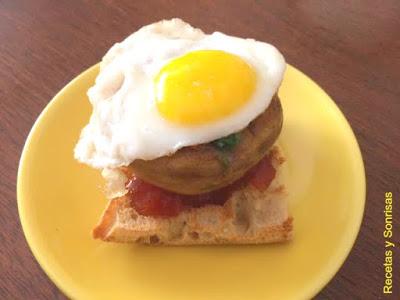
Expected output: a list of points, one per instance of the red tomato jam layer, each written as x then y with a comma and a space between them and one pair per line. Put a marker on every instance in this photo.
150, 200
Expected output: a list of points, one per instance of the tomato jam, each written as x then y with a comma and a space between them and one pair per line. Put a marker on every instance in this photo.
150, 200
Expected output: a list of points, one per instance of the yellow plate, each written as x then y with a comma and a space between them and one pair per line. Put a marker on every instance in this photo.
60, 201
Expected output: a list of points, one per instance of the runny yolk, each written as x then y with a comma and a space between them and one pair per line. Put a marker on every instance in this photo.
203, 86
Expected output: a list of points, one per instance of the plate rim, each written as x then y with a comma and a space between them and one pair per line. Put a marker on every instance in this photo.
71, 292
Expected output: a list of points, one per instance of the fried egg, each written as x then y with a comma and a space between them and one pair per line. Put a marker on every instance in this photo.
169, 86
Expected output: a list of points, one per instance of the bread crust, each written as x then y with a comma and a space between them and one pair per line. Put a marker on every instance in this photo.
248, 217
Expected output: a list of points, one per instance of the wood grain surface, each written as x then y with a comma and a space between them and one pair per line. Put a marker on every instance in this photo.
351, 48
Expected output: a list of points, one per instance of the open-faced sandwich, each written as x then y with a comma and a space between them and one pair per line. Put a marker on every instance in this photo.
184, 126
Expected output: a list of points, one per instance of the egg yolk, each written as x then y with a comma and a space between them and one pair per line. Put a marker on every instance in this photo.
203, 86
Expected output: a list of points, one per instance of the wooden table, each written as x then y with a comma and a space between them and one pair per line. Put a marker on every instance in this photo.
351, 48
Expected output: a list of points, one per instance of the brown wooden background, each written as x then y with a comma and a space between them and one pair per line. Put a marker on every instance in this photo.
351, 48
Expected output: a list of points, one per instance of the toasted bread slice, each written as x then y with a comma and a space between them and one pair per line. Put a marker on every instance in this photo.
248, 217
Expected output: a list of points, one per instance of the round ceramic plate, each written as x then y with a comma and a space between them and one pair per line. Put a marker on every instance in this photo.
61, 200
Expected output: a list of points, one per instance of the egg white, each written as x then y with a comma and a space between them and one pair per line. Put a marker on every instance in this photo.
125, 124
